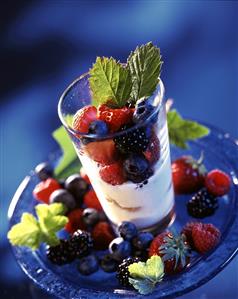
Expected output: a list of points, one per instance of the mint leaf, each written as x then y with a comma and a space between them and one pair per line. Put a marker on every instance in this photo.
182, 130
143, 286
145, 67
110, 82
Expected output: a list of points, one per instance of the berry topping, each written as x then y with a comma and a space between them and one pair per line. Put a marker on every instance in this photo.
90, 217
173, 249
81, 243
120, 249
75, 221
136, 168
152, 153
60, 254
84, 175
102, 235
115, 118
112, 174
217, 182
133, 141
108, 264
205, 237
44, 189
77, 186
142, 241
123, 272
88, 265
127, 230
43, 171
202, 204
91, 200
142, 111
83, 118
188, 174
98, 127
64, 197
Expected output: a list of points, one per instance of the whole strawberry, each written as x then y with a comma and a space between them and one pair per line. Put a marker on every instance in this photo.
173, 249
188, 174
217, 182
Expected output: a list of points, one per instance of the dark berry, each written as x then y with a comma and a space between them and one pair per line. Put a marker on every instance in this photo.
142, 241
77, 187
88, 265
202, 204
134, 141
142, 111
127, 230
123, 272
81, 243
64, 197
43, 171
141, 254
137, 168
120, 249
108, 264
60, 254
90, 217
98, 127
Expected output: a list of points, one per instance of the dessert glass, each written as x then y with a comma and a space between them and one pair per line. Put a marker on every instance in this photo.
150, 203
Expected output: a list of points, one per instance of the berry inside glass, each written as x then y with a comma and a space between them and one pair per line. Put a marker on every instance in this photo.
125, 153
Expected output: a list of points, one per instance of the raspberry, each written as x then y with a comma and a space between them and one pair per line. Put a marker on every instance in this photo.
187, 231
44, 189
91, 200
112, 174
75, 221
83, 118
102, 235
152, 153
217, 182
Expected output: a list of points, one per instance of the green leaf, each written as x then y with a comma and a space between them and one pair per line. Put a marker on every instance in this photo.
110, 82
145, 67
143, 286
182, 130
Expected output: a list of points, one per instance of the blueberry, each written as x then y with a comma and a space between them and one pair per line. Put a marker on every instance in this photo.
98, 127
127, 230
90, 216
142, 240
76, 186
108, 264
120, 249
88, 265
142, 111
43, 171
64, 197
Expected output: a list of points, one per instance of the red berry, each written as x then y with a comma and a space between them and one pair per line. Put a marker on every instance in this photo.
44, 189
152, 152
91, 200
75, 221
84, 175
115, 118
187, 231
188, 175
217, 182
205, 236
83, 118
112, 174
102, 235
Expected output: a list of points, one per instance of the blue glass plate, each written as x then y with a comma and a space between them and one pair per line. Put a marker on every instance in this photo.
65, 282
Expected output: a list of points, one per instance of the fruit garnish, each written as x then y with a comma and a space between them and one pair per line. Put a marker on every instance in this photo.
202, 204
102, 235
83, 118
44, 189
77, 186
60, 254
123, 271
182, 130
75, 221
113, 174
187, 231
98, 127
142, 241
152, 152
88, 265
64, 197
120, 249
84, 175
205, 237
144, 276
217, 182
91, 200
188, 174
90, 217
143, 110
31, 232
127, 230
115, 118
43, 171
108, 264
81, 243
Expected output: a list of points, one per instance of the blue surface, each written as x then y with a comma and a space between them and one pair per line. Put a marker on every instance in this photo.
47, 44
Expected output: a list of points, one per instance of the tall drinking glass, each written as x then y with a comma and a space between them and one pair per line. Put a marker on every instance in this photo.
150, 203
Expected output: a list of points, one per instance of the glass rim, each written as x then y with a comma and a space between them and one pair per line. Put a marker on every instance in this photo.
109, 135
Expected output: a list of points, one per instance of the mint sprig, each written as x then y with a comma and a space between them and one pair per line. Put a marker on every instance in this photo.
110, 82
145, 276
31, 232
182, 130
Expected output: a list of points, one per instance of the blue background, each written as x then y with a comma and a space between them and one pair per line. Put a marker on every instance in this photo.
47, 44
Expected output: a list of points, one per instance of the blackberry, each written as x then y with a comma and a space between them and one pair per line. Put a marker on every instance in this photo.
60, 254
134, 141
81, 243
202, 204
123, 272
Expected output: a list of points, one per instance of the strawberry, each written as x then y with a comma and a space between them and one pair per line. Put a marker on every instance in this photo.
103, 152
217, 182
44, 189
205, 236
102, 235
75, 221
188, 174
115, 118
113, 174
83, 118
91, 200
152, 152
173, 250
84, 176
